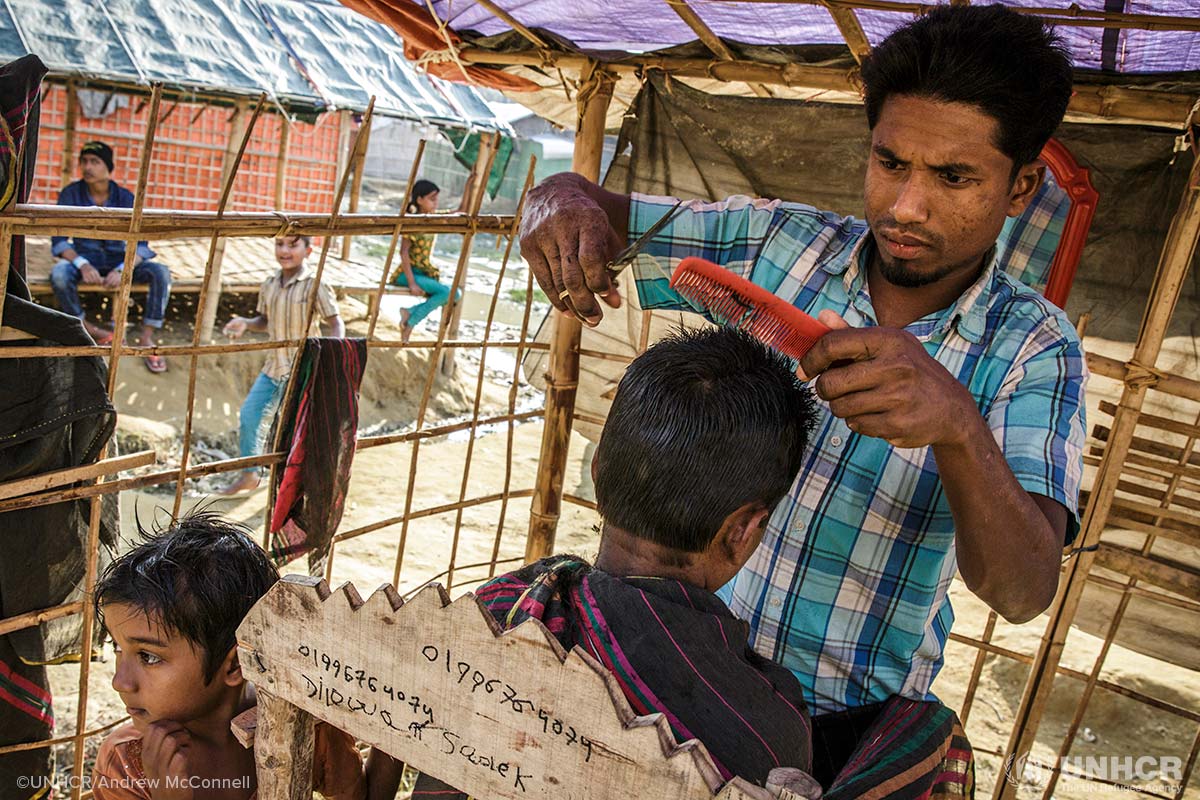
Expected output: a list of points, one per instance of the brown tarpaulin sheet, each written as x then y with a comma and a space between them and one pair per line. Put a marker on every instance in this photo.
422, 35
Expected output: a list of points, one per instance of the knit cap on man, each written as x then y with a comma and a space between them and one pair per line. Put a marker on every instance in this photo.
100, 150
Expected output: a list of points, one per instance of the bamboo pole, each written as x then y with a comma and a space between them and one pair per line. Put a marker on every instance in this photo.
18, 748
851, 29
1072, 15
360, 164
479, 378
511, 428
489, 146
5, 265
110, 223
69, 124
430, 373
230, 464
433, 511
1166, 383
346, 143
989, 629
248, 347
376, 299
133, 234
61, 477
210, 301
93, 539
563, 379
210, 296
710, 39
512, 22
32, 618
1088, 101
1178, 250
281, 161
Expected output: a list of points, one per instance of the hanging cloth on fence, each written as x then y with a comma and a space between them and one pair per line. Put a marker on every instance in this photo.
320, 430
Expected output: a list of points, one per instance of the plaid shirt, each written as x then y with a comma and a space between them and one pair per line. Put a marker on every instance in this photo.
849, 587
285, 305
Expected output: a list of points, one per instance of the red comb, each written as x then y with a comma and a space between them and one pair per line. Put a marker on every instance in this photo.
735, 301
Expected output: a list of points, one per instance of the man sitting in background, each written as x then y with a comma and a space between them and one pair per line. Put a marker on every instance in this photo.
101, 261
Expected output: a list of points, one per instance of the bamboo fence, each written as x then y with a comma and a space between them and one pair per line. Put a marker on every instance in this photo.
136, 471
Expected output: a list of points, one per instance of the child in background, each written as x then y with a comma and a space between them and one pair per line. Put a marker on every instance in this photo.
416, 270
282, 310
173, 606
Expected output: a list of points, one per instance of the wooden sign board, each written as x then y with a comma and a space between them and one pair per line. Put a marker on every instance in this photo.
502, 716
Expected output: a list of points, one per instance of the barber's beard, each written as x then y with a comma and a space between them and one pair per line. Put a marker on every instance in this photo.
902, 273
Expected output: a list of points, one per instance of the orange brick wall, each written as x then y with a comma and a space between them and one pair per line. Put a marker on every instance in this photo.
185, 169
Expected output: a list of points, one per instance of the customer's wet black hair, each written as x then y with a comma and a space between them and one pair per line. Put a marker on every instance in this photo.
703, 423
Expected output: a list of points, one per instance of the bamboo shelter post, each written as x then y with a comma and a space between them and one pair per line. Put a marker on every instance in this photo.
215, 243
489, 146
1177, 253
212, 285
281, 160
360, 163
346, 142
69, 123
563, 380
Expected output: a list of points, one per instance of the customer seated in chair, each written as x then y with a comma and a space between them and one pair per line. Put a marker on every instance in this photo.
102, 261
706, 433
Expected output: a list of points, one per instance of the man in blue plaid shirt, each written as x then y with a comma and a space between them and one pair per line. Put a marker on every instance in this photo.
952, 432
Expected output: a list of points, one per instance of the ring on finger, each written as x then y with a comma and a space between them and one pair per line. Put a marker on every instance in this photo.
564, 294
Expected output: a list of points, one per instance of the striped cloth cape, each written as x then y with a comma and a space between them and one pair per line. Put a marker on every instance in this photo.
677, 650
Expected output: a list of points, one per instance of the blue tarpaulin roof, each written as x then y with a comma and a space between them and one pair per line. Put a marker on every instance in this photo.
314, 54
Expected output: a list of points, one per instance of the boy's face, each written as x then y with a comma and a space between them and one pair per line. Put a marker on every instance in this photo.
290, 252
160, 674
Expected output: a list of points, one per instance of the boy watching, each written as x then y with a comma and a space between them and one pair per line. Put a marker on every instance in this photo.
705, 436
172, 606
283, 301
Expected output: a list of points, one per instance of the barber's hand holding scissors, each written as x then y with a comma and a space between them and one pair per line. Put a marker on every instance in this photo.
571, 231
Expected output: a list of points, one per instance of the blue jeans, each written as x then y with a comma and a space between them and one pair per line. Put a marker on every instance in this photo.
65, 277
258, 410
438, 294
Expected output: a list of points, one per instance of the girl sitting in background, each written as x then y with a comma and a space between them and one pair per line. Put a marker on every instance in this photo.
416, 270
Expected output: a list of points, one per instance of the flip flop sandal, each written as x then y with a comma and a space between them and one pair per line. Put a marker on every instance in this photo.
156, 364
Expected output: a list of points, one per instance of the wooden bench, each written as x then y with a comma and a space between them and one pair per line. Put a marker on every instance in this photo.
247, 263
501, 716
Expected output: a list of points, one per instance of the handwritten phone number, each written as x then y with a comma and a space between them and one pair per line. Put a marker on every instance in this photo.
357, 677
509, 698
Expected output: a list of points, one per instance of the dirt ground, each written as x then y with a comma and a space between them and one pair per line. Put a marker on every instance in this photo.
152, 409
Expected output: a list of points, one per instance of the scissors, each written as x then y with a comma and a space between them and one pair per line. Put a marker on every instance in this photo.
626, 256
